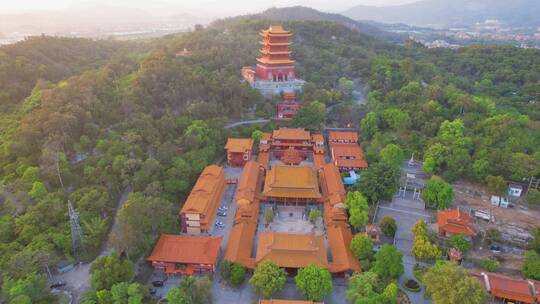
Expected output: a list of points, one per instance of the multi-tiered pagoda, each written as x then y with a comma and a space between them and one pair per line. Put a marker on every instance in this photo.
275, 73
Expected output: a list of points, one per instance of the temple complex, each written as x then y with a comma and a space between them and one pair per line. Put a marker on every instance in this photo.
275, 73
273, 183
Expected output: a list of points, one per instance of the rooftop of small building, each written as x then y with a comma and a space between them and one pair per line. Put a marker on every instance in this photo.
345, 136
186, 249
239, 145
291, 250
291, 134
199, 198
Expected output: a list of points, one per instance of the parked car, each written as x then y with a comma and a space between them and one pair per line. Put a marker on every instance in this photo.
223, 213
223, 208
157, 283
220, 224
153, 291
495, 249
57, 284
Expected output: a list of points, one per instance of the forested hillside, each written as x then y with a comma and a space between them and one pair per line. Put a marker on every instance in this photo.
469, 113
86, 119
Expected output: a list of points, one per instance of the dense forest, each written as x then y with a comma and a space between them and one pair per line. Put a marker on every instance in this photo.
86, 120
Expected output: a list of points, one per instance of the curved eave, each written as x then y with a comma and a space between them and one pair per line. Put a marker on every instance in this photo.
275, 34
276, 62
275, 43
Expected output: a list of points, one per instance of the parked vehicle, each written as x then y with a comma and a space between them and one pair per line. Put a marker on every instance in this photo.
223, 213
496, 249
153, 291
223, 208
57, 284
220, 224
157, 283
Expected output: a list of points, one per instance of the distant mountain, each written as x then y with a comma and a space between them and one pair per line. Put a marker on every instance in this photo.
299, 13
452, 12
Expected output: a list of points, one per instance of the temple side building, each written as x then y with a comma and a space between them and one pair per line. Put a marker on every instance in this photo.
238, 151
200, 208
185, 255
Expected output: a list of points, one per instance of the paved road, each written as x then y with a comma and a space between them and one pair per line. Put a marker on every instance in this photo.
246, 122
406, 212
78, 279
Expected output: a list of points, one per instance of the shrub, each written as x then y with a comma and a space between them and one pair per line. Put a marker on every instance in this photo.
361, 246
225, 269
314, 214
238, 274
459, 242
411, 285
489, 265
388, 226
269, 215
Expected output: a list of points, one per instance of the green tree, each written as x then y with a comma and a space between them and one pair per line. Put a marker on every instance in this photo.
448, 283
533, 197
388, 263
238, 274
311, 116
256, 135
109, 270
268, 279
197, 290
225, 269
489, 265
361, 246
392, 154
314, 214
369, 125
38, 191
423, 249
314, 282
531, 265
366, 288
177, 296
358, 208
269, 215
380, 181
31, 288
388, 226
496, 184
438, 194
458, 241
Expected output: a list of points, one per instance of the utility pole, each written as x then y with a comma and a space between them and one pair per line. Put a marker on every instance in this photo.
76, 230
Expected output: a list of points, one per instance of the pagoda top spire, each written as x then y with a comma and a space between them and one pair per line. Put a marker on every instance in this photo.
276, 30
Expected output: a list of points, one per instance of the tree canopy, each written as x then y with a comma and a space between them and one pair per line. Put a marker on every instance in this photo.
268, 279
314, 282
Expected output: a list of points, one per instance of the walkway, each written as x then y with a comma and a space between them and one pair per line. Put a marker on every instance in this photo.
406, 212
246, 122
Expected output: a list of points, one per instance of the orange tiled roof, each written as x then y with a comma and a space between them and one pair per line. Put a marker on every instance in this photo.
317, 137
186, 249
318, 161
348, 155
339, 238
508, 288
291, 182
200, 200
276, 30
239, 145
339, 136
240, 244
335, 190
247, 184
291, 134
455, 221
291, 250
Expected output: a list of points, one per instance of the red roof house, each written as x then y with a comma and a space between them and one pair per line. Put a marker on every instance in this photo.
455, 221
180, 254
508, 288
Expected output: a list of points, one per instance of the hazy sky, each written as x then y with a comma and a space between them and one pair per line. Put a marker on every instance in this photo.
193, 6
